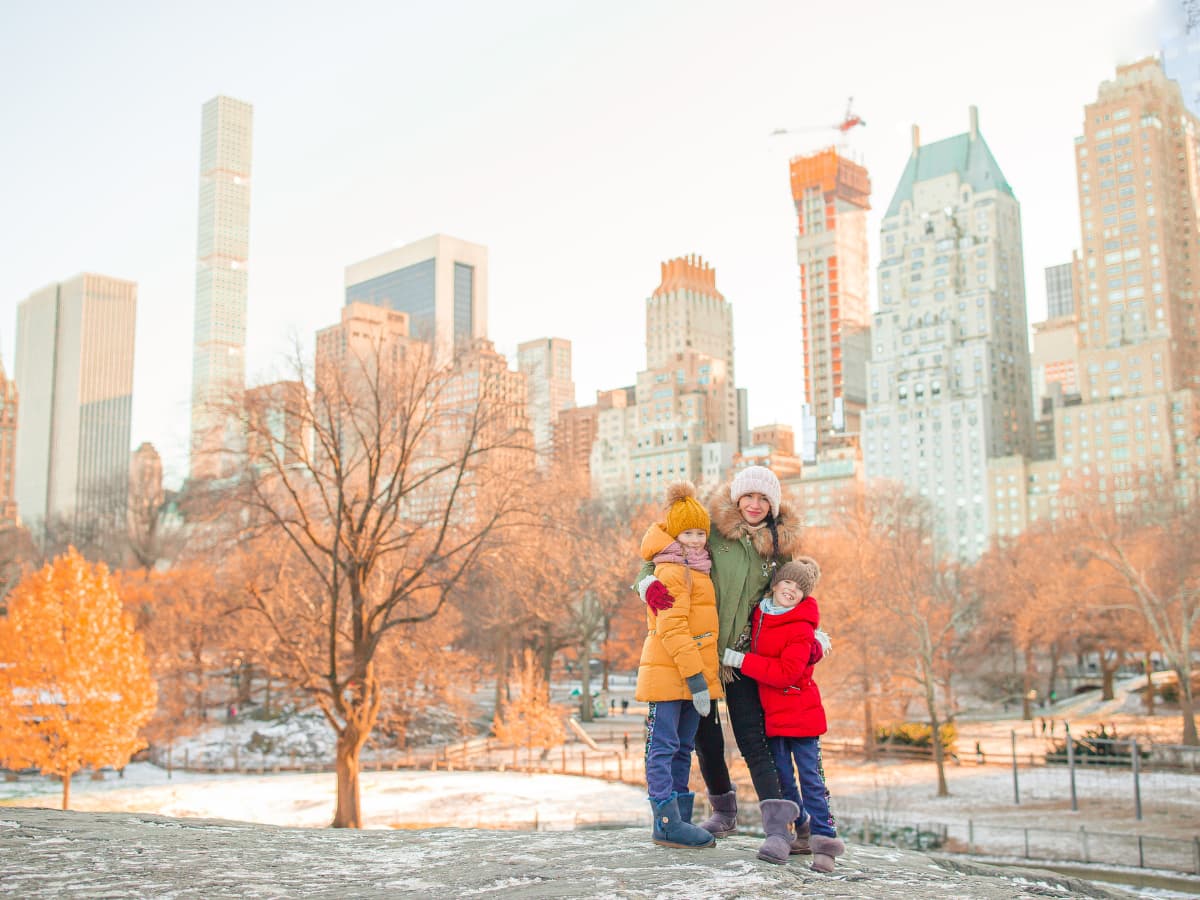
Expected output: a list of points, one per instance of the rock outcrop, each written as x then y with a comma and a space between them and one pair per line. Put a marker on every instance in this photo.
50, 853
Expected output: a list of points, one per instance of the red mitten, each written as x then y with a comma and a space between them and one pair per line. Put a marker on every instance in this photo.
658, 597
816, 654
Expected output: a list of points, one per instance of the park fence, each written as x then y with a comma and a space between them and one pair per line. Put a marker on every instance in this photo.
976, 837
1088, 773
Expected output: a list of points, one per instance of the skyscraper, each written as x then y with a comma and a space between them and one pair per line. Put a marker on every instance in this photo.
1181, 50
832, 197
949, 381
222, 252
546, 363
8, 448
1060, 290
687, 314
681, 420
440, 282
74, 366
1138, 195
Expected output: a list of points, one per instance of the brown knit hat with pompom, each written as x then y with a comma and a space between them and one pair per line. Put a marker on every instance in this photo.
684, 511
803, 570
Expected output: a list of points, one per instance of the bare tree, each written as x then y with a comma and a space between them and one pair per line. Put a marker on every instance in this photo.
854, 594
1152, 550
413, 472
926, 601
1029, 586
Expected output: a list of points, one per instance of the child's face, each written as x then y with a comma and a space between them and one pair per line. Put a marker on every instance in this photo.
693, 538
787, 594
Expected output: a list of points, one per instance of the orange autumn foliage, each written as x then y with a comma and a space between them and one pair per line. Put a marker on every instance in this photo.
75, 685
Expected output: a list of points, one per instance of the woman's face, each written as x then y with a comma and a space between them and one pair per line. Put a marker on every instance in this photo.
754, 507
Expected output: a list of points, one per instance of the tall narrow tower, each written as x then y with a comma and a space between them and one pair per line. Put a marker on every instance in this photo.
832, 196
222, 251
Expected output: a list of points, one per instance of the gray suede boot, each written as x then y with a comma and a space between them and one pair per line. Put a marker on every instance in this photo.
723, 821
800, 842
777, 816
825, 850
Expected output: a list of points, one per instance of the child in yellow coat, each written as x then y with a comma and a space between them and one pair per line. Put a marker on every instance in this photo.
678, 671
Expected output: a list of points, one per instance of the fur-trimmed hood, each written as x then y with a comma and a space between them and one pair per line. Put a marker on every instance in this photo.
727, 520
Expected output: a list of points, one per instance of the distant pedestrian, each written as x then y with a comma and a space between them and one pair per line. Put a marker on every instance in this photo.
1051, 728
612, 707
1043, 727
624, 705
231, 713
978, 754
627, 742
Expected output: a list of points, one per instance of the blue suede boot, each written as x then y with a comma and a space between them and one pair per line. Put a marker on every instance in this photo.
686, 801
671, 831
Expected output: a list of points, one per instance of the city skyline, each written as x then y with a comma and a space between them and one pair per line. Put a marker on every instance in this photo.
557, 162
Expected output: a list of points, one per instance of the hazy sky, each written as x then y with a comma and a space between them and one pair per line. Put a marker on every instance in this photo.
582, 143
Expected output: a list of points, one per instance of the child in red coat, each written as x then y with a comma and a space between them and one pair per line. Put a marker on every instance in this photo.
782, 635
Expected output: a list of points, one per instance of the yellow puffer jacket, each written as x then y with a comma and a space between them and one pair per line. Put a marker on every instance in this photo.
682, 640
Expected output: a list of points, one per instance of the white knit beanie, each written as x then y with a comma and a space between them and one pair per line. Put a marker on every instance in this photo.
757, 480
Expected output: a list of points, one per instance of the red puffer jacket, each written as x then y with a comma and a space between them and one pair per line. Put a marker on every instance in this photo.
778, 661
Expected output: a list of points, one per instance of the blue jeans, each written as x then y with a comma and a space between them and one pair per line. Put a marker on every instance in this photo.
812, 796
670, 736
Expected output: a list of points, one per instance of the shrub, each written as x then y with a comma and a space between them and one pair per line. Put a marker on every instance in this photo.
915, 734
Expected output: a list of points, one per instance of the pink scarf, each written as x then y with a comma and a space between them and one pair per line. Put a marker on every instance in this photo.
693, 559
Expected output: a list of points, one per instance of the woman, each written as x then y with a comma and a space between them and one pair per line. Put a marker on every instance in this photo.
753, 532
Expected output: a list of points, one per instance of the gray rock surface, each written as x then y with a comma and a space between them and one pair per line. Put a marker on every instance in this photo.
50, 853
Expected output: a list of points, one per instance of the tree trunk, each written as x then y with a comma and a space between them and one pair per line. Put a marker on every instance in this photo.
501, 679
1055, 660
1187, 706
868, 718
1107, 674
585, 685
1149, 667
1027, 691
939, 752
66, 780
348, 813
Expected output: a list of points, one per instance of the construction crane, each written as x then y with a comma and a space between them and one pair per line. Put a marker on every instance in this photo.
850, 121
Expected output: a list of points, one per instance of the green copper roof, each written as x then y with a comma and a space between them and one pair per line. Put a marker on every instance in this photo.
970, 158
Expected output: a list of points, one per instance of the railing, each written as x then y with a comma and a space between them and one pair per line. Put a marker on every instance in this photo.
981, 838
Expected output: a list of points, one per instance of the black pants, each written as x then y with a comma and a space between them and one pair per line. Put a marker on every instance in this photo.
749, 730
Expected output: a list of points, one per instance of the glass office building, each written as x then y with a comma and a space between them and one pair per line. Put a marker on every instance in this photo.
440, 282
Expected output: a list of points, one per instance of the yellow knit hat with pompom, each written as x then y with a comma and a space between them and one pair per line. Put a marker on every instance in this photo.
684, 511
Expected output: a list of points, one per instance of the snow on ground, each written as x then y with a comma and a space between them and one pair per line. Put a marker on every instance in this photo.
389, 799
